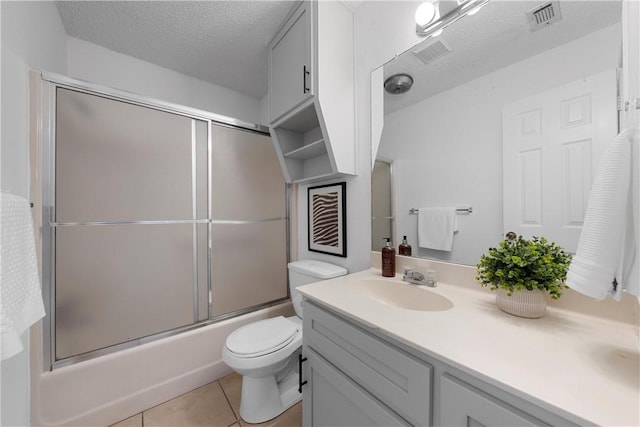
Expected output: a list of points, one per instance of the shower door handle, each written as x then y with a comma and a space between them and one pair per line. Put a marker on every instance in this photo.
300, 382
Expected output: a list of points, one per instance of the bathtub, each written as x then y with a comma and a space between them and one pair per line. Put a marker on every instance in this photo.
107, 389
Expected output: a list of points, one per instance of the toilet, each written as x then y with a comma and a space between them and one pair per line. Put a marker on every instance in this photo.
266, 352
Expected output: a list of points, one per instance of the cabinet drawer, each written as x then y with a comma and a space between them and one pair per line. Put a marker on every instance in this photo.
398, 380
465, 405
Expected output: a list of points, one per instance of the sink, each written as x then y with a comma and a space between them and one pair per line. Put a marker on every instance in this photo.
402, 295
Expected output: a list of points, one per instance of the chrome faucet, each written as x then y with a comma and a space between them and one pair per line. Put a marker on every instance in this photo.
417, 278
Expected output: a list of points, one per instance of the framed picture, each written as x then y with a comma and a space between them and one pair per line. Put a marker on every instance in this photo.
327, 209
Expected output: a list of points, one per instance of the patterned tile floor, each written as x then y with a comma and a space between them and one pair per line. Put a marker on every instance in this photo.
216, 404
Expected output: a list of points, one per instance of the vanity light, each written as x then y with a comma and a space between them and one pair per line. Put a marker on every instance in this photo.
426, 13
429, 22
475, 9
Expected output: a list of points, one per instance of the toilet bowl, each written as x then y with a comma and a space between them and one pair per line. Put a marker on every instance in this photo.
266, 352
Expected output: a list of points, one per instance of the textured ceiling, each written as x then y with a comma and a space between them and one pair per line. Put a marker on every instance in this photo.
222, 42
497, 36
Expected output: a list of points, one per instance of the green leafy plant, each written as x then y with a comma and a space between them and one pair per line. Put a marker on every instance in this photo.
518, 264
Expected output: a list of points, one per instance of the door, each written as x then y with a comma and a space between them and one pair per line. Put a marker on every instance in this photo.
464, 406
552, 144
290, 63
331, 399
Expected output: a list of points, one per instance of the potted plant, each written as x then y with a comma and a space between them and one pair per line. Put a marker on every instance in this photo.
521, 271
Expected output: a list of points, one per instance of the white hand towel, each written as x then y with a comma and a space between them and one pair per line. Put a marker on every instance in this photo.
21, 299
600, 257
436, 227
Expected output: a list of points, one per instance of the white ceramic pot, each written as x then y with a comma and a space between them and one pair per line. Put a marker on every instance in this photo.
530, 304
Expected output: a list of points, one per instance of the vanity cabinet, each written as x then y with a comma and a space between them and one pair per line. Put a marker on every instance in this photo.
381, 376
356, 377
311, 92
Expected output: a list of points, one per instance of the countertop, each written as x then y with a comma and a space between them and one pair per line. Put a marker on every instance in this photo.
578, 366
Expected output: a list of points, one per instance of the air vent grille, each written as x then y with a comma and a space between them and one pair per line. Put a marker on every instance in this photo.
432, 52
543, 15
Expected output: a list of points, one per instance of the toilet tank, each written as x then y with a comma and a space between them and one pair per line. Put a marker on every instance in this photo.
309, 271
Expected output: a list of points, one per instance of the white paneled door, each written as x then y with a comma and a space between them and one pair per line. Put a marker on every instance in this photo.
552, 144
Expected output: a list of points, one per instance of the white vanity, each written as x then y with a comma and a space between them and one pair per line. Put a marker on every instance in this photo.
375, 358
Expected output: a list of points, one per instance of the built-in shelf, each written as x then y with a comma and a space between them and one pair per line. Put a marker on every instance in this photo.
313, 135
308, 151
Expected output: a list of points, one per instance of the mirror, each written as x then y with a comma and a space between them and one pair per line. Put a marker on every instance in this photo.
481, 88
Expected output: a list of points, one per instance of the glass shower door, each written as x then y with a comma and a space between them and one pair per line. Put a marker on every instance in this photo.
130, 222
248, 222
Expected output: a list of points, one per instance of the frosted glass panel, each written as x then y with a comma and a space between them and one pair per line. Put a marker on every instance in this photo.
116, 283
249, 265
247, 179
120, 162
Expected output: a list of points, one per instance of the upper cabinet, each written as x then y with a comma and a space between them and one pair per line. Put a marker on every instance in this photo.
311, 86
290, 63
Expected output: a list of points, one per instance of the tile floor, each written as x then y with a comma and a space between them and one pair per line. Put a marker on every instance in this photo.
216, 404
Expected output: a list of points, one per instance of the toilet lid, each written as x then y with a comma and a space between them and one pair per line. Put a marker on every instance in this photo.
262, 337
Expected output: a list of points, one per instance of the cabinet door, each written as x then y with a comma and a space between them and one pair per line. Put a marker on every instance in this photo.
464, 405
331, 399
290, 63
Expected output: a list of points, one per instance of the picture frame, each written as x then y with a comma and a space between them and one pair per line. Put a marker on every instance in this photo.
327, 225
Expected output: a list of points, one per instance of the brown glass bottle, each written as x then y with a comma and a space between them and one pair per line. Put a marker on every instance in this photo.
388, 260
404, 248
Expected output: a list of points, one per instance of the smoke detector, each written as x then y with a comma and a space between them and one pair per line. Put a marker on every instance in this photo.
543, 15
398, 83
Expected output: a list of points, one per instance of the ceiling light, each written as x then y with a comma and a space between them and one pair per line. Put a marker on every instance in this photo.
425, 13
437, 32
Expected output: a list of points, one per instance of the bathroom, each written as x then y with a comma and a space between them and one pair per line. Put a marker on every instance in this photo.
34, 37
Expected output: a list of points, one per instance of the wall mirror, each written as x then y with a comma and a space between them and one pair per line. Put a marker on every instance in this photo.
488, 94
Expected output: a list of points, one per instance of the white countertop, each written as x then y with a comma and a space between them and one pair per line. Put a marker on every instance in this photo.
571, 364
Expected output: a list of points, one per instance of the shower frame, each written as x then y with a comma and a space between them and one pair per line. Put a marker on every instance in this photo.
50, 82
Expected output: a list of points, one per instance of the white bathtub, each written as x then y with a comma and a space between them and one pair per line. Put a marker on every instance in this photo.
110, 388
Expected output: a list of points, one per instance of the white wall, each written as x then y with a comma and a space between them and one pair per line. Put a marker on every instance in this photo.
32, 37
96, 64
465, 124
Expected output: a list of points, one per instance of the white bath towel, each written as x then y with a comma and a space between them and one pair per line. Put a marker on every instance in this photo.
21, 298
436, 227
607, 243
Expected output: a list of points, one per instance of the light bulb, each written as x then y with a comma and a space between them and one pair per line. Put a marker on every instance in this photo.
425, 13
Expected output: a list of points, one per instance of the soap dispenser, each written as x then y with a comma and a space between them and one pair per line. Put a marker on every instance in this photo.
404, 248
388, 259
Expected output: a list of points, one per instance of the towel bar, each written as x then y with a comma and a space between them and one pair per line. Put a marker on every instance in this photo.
414, 211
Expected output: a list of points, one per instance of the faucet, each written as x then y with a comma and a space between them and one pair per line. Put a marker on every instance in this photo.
417, 278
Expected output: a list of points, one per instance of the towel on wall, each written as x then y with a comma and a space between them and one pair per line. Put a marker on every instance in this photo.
606, 248
436, 227
21, 297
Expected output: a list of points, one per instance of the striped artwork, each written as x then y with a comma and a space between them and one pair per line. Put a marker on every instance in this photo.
325, 219
327, 225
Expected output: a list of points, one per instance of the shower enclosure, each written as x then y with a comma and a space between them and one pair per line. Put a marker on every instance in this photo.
156, 219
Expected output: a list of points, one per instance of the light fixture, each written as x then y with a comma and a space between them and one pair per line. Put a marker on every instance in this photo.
426, 13
430, 23
475, 9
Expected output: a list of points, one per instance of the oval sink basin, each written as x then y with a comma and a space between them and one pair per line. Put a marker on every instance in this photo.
403, 295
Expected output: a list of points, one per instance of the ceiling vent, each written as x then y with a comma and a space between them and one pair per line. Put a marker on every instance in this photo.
543, 15
432, 52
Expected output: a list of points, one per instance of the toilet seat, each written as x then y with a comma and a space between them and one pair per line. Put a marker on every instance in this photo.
262, 337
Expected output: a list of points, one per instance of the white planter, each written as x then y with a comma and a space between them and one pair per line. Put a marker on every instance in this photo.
530, 304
